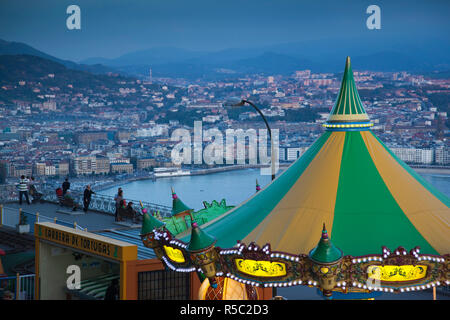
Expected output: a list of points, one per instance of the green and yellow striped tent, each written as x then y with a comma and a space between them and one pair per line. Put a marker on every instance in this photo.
349, 180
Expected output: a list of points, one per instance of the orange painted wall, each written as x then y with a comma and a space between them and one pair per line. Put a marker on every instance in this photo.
265, 293
133, 268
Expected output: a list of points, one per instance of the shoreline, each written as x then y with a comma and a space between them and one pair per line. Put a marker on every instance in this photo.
419, 169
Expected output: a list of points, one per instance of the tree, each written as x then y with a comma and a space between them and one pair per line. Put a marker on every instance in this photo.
3, 172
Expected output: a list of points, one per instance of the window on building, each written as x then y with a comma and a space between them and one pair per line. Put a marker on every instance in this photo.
163, 285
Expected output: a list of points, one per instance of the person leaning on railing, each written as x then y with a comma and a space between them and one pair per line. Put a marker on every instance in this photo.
87, 197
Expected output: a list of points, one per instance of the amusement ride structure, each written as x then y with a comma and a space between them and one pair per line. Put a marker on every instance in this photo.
348, 217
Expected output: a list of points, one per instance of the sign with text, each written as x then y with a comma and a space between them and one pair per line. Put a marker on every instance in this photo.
86, 241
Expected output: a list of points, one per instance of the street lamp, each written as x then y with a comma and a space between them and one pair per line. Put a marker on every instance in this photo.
236, 102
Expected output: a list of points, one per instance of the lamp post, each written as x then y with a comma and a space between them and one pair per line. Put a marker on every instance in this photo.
242, 102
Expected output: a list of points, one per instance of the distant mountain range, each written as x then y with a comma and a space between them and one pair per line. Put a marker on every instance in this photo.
18, 48
318, 55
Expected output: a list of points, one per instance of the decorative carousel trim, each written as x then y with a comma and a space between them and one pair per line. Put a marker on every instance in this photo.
345, 126
350, 273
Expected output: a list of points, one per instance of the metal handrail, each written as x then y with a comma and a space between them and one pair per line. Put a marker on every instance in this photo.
107, 204
99, 202
37, 217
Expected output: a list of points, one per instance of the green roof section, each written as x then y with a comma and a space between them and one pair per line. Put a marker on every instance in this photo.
177, 205
149, 223
200, 240
211, 210
325, 251
348, 106
177, 224
94, 288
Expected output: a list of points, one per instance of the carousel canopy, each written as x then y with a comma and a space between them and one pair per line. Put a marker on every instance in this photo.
349, 180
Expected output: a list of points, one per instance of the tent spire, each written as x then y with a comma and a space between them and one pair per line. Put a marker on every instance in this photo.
325, 251
178, 206
348, 112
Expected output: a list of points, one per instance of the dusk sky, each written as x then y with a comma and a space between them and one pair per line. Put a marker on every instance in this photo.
112, 28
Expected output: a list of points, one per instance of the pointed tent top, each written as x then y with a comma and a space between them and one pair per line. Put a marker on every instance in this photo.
325, 251
200, 240
149, 223
324, 232
177, 205
348, 107
174, 195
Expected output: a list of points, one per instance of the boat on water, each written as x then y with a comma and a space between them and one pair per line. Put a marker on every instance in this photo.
170, 172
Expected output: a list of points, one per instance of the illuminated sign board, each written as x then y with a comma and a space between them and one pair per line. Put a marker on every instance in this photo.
174, 254
261, 268
392, 273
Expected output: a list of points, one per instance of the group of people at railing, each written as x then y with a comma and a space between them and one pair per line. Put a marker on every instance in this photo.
26, 188
65, 197
123, 209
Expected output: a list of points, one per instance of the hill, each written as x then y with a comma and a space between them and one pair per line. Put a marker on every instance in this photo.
18, 48
43, 74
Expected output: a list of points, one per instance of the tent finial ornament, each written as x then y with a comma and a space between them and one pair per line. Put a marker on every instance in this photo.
324, 232
348, 113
